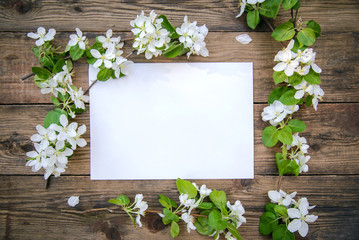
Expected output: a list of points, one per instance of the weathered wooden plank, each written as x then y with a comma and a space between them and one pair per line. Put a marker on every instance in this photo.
333, 139
34, 212
339, 78
96, 15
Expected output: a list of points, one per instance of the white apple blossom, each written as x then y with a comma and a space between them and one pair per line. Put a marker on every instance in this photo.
286, 59
42, 36
317, 94
49, 87
77, 140
59, 152
275, 112
187, 202
242, 6
300, 142
73, 201
121, 66
36, 158
141, 206
109, 41
204, 191
193, 37
78, 39
105, 58
65, 131
237, 211
302, 160
302, 89
188, 218
301, 217
281, 197
79, 98
244, 38
44, 136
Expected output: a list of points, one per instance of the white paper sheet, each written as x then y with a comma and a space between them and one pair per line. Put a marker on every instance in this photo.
170, 120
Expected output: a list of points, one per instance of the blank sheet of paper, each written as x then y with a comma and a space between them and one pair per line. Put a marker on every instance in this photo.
173, 120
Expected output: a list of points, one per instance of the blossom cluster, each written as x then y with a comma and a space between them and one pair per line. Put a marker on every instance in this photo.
300, 153
193, 37
54, 145
276, 112
297, 215
150, 37
301, 63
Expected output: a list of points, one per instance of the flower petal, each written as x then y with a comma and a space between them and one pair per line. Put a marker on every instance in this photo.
244, 38
294, 225
303, 230
293, 213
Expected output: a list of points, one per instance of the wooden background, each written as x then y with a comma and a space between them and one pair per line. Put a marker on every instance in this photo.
29, 211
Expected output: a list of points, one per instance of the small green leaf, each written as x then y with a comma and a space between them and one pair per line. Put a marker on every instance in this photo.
215, 221
168, 26
296, 125
281, 210
166, 220
69, 65
269, 207
47, 62
36, 51
288, 98
306, 37
270, 8
276, 94
282, 233
58, 66
166, 201
253, 18
170, 215
268, 222
286, 165
295, 79
67, 48
76, 52
173, 50
285, 135
55, 101
205, 205
42, 73
218, 198
315, 27
53, 117
270, 136
284, 32
279, 77
297, 5
312, 77
202, 226
121, 200
174, 229
186, 187
288, 4
104, 74
232, 229
308, 100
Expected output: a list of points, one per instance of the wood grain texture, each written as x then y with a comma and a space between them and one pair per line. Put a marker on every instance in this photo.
333, 139
27, 205
219, 15
339, 78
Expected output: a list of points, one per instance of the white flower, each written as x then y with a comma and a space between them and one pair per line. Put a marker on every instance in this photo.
302, 70
141, 205
302, 89
281, 197
77, 140
301, 218
59, 153
187, 202
108, 41
275, 112
242, 5
237, 211
42, 36
79, 98
73, 201
302, 160
66, 131
121, 66
290, 109
105, 58
77, 39
193, 37
204, 191
188, 218
244, 38
254, 1
37, 158
138, 220
317, 94
43, 136
286, 60
301, 142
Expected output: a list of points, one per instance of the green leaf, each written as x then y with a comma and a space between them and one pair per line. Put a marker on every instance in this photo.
166, 220
104, 74
288, 98
47, 62
186, 187
58, 66
168, 26
253, 18
166, 201
269, 207
297, 46
218, 198
281, 210
270, 8
315, 27
297, 5
282, 233
284, 32
308, 100
296, 125
288, 4
270, 136
76, 52
121, 200
285, 135
312, 77
215, 221
67, 48
55, 101
276, 94
69, 65
170, 215
202, 226
42, 73
205, 205
286, 165
36, 51
279, 77
53, 117
268, 222
306, 36
295, 79
232, 229
173, 50
174, 229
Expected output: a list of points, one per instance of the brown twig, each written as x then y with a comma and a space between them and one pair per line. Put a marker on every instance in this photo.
87, 211
271, 27
27, 76
279, 182
179, 213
